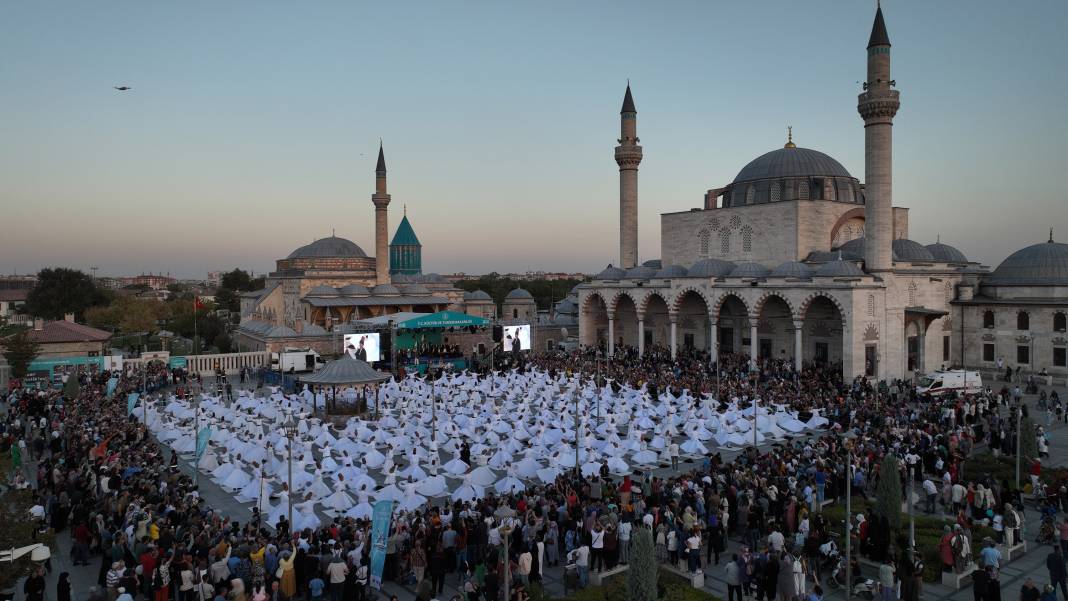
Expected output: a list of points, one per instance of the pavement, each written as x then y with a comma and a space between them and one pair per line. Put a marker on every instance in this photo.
1032, 564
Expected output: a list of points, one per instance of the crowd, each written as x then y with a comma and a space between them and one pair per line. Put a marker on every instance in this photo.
130, 510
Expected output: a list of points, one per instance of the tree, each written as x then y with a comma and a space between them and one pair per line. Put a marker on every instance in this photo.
72, 388
18, 529
19, 351
642, 571
888, 491
233, 282
1028, 444
60, 291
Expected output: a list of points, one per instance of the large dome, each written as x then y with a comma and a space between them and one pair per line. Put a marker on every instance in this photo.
1045, 263
328, 247
791, 162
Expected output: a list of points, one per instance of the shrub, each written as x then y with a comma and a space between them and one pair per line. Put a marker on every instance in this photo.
641, 572
888, 492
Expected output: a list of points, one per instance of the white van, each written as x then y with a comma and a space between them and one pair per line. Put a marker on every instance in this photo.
956, 380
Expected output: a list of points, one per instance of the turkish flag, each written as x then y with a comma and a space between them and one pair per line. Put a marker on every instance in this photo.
197, 304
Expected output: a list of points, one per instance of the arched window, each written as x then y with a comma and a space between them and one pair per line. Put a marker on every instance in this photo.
912, 294
704, 235
949, 292
1023, 321
802, 189
750, 194
515, 313
847, 233
871, 305
776, 192
724, 242
1059, 322
747, 239
988, 320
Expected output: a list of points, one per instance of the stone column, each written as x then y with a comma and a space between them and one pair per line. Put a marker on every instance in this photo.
674, 322
754, 345
798, 346
611, 335
921, 345
641, 335
713, 343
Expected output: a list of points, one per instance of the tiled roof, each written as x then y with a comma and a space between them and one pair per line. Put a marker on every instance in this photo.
14, 294
66, 331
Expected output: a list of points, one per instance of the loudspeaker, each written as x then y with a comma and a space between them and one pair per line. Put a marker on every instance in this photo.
498, 333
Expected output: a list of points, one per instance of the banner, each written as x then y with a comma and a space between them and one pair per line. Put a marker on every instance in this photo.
380, 518
113, 383
202, 441
131, 401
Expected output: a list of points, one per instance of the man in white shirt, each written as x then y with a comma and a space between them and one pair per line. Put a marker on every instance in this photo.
673, 451
776, 540
624, 541
931, 493
581, 558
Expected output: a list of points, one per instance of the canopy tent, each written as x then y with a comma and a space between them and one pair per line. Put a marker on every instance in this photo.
346, 371
443, 319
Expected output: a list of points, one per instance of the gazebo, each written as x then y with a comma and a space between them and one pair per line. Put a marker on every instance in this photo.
346, 371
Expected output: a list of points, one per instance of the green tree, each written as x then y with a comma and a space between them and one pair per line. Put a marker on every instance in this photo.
233, 283
60, 291
19, 351
17, 531
72, 387
888, 491
642, 571
1028, 442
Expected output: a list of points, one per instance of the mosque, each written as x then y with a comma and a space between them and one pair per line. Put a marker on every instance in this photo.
332, 281
798, 259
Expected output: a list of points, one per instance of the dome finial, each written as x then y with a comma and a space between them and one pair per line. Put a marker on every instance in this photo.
1051, 235
789, 137
938, 238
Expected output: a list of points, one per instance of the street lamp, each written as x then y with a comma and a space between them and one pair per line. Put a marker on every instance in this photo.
290, 429
506, 531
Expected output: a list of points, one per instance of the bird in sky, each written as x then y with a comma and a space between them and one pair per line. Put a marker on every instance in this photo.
122, 88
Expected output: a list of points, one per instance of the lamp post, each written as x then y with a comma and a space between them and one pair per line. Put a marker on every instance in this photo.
506, 531
912, 517
849, 517
1019, 439
196, 440
577, 472
290, 428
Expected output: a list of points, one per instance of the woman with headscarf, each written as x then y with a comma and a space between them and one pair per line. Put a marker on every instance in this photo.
288, 580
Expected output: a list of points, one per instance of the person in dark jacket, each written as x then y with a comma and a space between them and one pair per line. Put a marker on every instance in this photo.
63, 587
1057, 573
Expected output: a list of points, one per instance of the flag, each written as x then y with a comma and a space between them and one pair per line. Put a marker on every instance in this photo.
197, 303
131, 401
16, 456
202, 441
380, 518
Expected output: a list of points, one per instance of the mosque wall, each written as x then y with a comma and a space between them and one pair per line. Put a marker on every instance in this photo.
1042, 345
816, 225
765, 233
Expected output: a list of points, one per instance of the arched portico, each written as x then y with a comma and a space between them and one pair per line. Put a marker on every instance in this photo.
594, 316
656, 321
733, 324
693, 322
776, 336
625, 314
823, 329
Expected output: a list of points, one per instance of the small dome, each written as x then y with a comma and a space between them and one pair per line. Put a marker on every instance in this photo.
854, 246
311, 329
610, 273
385, 290
946, 253
711, 268
1045, 263
908, 250
353, 290
477, 295
415, 290
328, 247
518, 294
749, 270
322, 291
566, 306
839, 269
654, 263
640, 273
671, 271
791, 269
791, 162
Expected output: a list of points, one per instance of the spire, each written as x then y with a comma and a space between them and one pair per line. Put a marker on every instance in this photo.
789, 137
879, 37
628, 102
381, 167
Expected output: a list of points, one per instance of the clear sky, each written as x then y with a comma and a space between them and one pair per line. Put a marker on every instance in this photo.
252, 127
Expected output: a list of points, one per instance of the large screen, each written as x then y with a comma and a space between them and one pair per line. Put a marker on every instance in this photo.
513, 333
364, 346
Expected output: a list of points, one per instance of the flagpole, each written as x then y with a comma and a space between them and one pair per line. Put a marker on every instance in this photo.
196, 301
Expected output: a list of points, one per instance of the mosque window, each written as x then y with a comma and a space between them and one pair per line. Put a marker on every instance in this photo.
988, 320
704, 236
1059, 322
736, 222
1060, 357
817, 189
747, 239
846, 233
750, 194
871, 305
846, 193
1023, 321
776, 193
912, 294
725, 242
802, 190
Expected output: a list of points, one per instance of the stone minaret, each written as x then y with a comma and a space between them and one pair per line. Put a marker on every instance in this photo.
628, 156
877, 105
381, 200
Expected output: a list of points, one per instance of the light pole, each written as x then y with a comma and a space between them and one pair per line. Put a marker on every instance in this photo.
1019, 440
849, 518
506, 531
908, 504
196, 440
290, 428
577, 472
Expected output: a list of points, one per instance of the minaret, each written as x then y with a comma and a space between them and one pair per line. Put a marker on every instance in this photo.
628, 156
381, 200
877, 105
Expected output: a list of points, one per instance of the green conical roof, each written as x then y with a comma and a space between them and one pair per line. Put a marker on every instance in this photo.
405, 235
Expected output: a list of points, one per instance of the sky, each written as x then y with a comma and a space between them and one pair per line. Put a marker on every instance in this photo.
252, 127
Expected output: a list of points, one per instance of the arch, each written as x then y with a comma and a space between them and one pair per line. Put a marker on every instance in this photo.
758, 305
1023, 320
803, 308
613, 303
676, 301
690, 307
625, 313
717, 305
643, 305
1059, 321
590, 298
733, 323
593, 320
775, 327
857, 213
